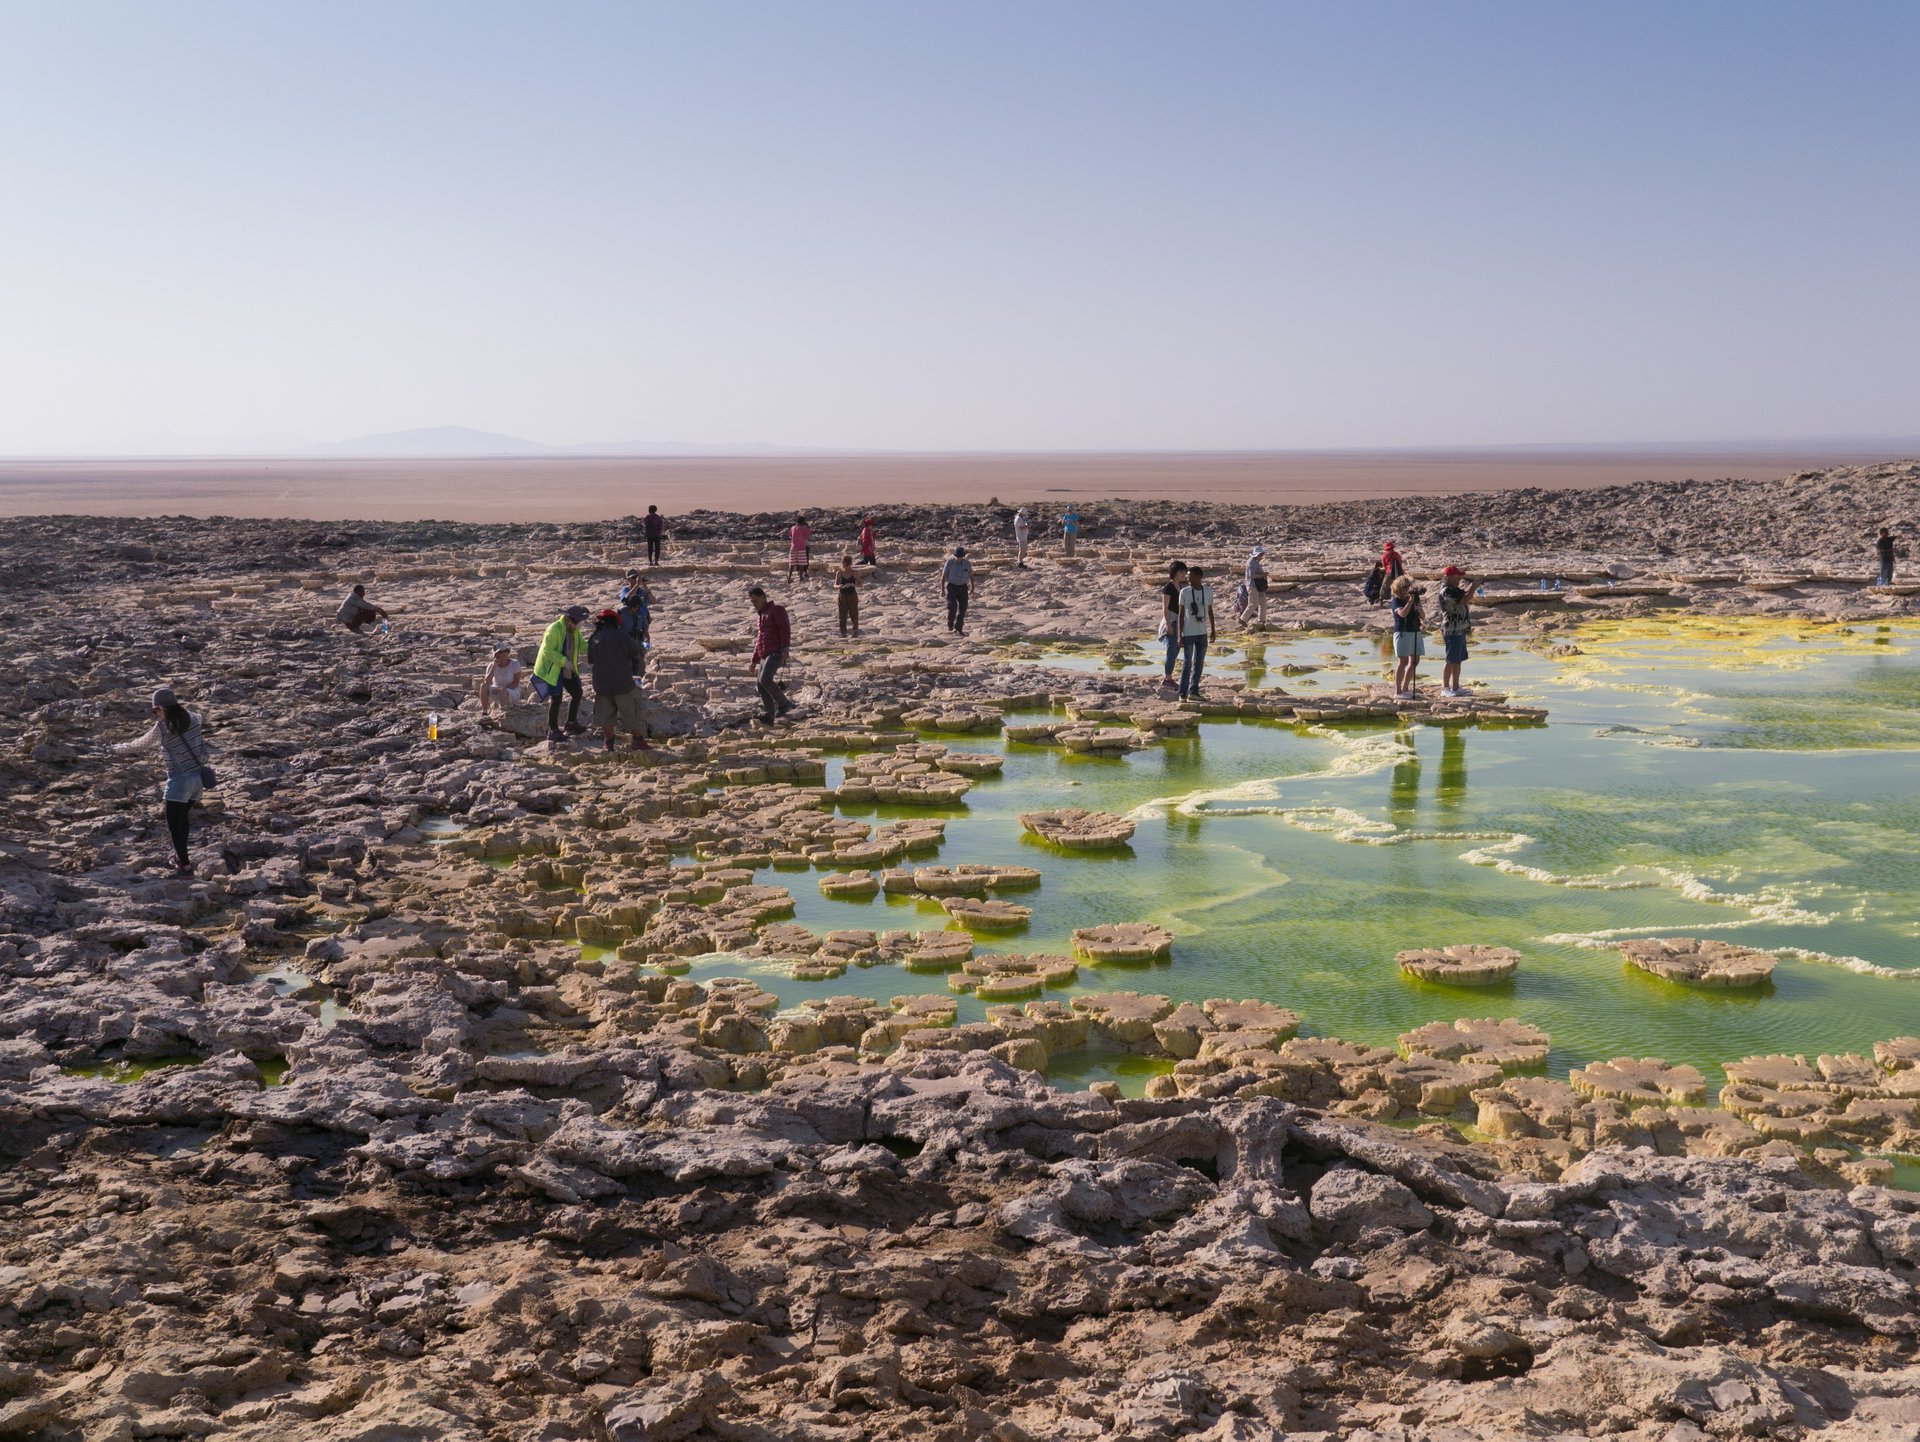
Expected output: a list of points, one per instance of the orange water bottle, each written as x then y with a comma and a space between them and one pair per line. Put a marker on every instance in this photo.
433, 725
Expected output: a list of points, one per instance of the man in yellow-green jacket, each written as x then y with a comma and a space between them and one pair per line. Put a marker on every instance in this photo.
556, 671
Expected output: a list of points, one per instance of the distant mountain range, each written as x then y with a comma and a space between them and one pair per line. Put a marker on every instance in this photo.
464, 441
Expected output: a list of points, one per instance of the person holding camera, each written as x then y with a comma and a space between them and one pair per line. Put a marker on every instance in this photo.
1409, 642
1455, 622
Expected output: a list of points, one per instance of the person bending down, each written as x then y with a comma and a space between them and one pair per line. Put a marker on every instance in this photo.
505, 681
357, 612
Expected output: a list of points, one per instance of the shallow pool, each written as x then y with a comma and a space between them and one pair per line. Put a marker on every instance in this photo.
1751, 780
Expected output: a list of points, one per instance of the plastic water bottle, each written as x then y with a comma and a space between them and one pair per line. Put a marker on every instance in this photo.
433, 725
1543, 583
1556, 583
384, 627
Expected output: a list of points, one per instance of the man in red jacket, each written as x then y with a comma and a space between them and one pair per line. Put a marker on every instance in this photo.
770, 645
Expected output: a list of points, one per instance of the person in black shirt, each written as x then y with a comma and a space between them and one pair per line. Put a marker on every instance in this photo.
1884, 545
655, 527
1170, 615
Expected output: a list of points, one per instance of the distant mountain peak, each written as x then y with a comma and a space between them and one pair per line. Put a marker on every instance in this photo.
433, 441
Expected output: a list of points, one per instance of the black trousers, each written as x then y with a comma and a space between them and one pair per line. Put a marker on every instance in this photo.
570, 686
773, 695
177, 813
956, 607
653, 550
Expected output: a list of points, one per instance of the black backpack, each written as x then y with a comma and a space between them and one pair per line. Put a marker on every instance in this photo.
1375, 578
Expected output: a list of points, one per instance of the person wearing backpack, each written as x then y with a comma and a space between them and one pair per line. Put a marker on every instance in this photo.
1196, 630
175, 733
1409, 642
655, 528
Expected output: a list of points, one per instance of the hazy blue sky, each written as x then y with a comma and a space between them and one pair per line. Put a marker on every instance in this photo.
1048, 223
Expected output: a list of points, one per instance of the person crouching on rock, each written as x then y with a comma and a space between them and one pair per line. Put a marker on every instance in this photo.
616, 662
556, 670
357, 612
772, 640
176, 734
504, 683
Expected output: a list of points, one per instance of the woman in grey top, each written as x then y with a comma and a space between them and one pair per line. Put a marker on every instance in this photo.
175, 733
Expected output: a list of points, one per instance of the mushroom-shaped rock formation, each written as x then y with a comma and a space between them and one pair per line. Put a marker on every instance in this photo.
1699, 963
972, 763
1505, 1042
1253, 1015
938, 951
995, 915
1123, 941
1644, 1079
1778, 1073
1078, 830
1101, 739
849, 885
1461, 965
1125, 1017
947, 881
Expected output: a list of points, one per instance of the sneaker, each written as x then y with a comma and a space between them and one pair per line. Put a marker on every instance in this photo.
607, 745
574, 728
556, 738
636, 743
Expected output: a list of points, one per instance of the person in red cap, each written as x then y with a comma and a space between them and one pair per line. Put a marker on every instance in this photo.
615, 662
1455, 623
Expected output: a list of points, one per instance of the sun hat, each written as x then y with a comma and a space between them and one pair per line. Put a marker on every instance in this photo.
1259, 550
164, 697
1453, 571
575, 613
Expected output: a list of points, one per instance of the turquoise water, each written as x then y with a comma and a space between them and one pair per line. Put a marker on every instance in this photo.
1754, 781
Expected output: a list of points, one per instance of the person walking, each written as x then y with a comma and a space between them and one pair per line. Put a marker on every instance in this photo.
799, 548
1256, 612
1170, 615
1456, 621
869, 555
1021, 529
957, 573
1883, 546
504, 681
1393, 566
655, 529
175, 733
773, 638
556, 672
616, 662
1196, 630
357, 612
636, 609
846, 582
1409, 643
1069, 530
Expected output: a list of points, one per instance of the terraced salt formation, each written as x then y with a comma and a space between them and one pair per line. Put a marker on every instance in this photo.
1700, 963
1461, 965
490, 1167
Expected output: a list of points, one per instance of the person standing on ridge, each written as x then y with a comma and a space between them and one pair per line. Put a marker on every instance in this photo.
1256, 612
175, 733
846, 581
773, 638
616, 662
1456, 621
869, 556
1069, 530
1883, 546
655, 529
1409, 642
1196, 630
1021, 528
1170, 614
957, 573
799, 548
556, 672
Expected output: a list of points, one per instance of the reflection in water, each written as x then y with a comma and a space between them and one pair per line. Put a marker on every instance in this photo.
1403, 787
1451, 793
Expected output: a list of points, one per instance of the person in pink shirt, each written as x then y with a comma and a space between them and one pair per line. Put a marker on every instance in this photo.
799, 548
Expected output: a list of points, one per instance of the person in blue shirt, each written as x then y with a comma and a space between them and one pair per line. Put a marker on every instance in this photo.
1070, 529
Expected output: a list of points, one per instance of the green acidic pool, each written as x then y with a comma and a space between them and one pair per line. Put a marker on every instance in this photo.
1755, 781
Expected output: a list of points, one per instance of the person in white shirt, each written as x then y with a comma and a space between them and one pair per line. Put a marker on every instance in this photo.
504, 681
1196, 630
1021, 527
1256, 612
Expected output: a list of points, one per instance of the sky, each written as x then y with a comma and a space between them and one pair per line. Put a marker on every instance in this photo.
1049, 224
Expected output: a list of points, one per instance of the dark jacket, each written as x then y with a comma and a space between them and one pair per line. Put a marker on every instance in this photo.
614, 659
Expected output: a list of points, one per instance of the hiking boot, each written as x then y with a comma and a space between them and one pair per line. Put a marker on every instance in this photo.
607, 745
635, 743
574, 728
556, 738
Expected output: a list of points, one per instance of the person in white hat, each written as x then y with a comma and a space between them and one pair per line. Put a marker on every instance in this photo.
1256, 612
1022, 528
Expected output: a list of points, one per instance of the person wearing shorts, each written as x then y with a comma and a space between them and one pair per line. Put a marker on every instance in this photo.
615, 662
1455, 622
1409, 642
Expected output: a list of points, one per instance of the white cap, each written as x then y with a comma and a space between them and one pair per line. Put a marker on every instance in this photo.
1259, 550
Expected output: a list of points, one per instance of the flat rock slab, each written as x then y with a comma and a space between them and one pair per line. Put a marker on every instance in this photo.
850, 884
1644, 1079
1123, 941
986, 915
1504, 1042
1077, 829
1461, 965
1699, 963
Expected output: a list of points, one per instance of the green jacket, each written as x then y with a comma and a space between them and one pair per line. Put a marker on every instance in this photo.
556, 650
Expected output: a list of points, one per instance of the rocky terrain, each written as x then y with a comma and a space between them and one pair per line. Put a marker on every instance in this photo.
345, 1136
